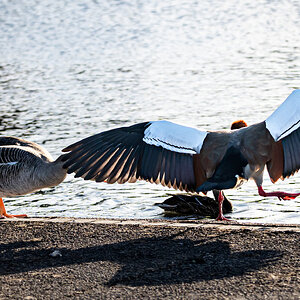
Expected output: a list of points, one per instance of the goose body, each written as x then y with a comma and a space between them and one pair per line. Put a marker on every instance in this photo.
193, 160
26, 167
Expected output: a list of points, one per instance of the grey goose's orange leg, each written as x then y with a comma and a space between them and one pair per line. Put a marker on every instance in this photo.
3, 212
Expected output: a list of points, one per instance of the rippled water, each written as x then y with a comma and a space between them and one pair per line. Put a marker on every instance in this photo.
69, 69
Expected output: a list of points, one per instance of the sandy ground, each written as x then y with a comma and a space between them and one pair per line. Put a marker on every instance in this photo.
130, 259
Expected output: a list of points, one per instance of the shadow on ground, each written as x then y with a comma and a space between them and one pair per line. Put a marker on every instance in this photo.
145, 261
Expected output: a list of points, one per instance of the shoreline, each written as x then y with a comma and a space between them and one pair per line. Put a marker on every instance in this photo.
163, 222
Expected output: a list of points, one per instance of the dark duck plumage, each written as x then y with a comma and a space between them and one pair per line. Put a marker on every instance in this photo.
192, 160
186, 204
25, 167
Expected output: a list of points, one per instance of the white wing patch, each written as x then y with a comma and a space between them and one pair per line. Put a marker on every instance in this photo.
286, 118
174, 137
11, 163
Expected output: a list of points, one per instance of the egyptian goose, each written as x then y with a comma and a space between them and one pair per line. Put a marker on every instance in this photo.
187, 204
192, 160
24, 168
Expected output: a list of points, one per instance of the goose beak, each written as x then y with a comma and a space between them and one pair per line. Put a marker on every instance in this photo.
239, 181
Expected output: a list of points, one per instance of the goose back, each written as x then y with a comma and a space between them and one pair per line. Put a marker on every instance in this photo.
26, 167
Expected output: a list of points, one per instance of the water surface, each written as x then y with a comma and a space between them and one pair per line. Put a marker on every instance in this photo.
69, 69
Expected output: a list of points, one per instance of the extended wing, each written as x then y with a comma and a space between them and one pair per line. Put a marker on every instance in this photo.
158, 152
284, 127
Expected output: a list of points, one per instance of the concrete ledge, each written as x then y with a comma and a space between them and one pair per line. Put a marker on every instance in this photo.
73, 258
166, 223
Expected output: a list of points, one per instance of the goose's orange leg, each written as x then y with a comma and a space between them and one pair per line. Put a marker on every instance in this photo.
220, 200
3, 212
280, 195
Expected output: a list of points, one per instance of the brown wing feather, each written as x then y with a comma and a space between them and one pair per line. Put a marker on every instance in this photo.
275, 164
199, 170
259, 148
121, 155
212, 152
256, 144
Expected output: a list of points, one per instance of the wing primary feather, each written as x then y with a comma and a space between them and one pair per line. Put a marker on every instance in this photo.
172, 168
115, 173
127, 169
145, 171
158, 154
103, 164
87, 161
86, 170
105, 172
297, 150
99, 137
116, 134
178, 170
100, 144
293, 157
190, 172
85, 164
99, 147
162, 167
291, 149
287, 160
78, 159
168, 157
134, 168
121, 155
75, 146
186, 172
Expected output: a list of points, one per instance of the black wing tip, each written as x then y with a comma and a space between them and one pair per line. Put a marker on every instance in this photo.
139, 127
71, 147
67, 149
